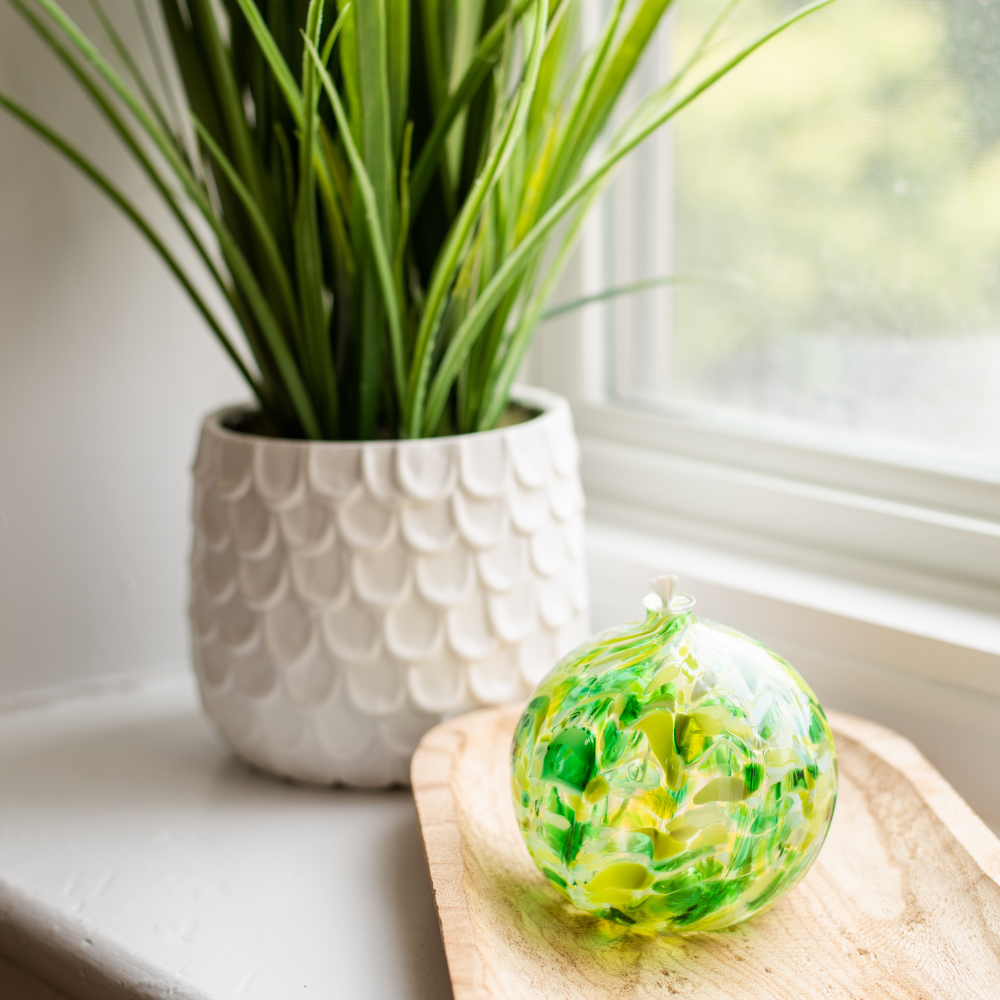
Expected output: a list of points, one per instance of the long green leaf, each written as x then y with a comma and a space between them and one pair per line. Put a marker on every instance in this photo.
560, 38
308, 252
328, 191
404, 208
376, 141
256, 216
438, 65
349, 70
679, 278
398, 41
564, 145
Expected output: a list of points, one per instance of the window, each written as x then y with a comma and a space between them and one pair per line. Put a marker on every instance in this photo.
823, 381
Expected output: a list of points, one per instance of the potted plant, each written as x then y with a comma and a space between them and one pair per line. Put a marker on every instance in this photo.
382, 194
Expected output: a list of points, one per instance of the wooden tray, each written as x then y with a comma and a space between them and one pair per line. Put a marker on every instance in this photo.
904, 900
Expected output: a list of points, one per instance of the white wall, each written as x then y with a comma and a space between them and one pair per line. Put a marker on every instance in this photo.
104, 371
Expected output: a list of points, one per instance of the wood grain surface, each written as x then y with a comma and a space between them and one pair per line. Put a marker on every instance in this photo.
904, 900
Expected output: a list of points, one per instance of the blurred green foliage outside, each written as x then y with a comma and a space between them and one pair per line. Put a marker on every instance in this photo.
851, 171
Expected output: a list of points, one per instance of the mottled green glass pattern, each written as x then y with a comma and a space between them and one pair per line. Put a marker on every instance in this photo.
673, 774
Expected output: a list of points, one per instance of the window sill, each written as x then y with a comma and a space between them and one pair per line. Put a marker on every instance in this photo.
138, 858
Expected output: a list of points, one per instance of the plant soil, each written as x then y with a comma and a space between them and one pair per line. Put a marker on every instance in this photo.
255, 423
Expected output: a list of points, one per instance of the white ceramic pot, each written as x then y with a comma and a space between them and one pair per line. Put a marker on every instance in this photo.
347, 596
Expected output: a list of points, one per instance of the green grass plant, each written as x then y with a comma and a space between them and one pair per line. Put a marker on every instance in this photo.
383, 192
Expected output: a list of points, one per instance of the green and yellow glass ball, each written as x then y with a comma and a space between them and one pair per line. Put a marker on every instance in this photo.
672, 773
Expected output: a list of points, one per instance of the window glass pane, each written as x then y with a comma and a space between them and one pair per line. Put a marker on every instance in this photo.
838, 198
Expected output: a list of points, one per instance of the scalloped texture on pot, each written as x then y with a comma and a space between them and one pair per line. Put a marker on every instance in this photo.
347, 596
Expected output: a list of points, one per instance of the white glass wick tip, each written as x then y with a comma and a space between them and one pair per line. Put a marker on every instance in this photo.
663, 591
664, 596
664, 587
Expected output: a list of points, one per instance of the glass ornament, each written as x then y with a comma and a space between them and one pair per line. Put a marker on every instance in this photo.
672, 773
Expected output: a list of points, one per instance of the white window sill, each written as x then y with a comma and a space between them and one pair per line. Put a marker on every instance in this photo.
138, 858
